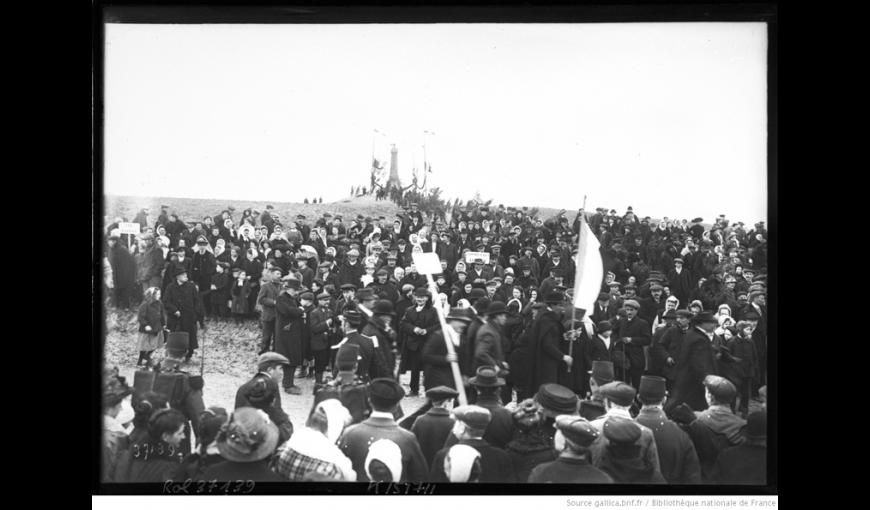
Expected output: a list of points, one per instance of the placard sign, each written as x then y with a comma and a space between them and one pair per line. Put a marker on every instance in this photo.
427, 263
472, 256
130, 228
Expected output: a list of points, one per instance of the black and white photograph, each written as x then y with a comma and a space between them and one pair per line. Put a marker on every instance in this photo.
427, 258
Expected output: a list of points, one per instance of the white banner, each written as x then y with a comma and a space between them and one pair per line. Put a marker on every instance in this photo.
472, 257
130, 228
427, 263
590, 269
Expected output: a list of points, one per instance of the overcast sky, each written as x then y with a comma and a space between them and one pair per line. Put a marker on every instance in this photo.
668, 118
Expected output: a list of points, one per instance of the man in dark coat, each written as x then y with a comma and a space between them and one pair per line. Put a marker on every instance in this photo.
471, 422
380, 329
435, 357
603, 309
488, 340
756, 313
269, 292
123, 272
487, 385
184, 309
289, 330
572, 441
680, 281
263, 392
418, 323
745, 464
433, 428
201, 270
149, 263
696, 361
367, 366
653, 306
385, 395
352, 269
634, 334
677, 456
348, 387
658, 355
670, 344
322, 325
545, 357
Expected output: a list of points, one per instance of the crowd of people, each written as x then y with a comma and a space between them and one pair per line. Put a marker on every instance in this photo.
658, 383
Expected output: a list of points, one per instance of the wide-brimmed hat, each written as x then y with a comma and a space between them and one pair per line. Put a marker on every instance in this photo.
487, 377
248, 436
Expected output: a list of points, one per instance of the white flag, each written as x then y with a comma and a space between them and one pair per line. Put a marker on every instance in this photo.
590, 269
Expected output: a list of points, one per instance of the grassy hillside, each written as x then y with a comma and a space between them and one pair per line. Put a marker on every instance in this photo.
197, 208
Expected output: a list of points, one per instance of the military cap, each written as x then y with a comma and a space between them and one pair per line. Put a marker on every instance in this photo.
347, 355
630, 303
721, 388
486, 377
602, 371
348, 286
365, 294
556, 399
620, 430
441, 393
475, 417
619, 393
385, 392
271, 358
577, 430
652, 388
308, 296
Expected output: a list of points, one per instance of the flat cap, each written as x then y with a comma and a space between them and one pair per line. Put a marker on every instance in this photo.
308, 296
323, 295
630, 303
385, 392
270, 358
620, 430
441, 393
365, 294
473, 416
619, 393
721, 388
348, 286
556, 399
577, 430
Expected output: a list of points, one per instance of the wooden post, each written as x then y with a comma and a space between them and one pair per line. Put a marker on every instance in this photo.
448, 339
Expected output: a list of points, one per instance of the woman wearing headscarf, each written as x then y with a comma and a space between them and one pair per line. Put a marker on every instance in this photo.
312, 450
384, 461
152, 321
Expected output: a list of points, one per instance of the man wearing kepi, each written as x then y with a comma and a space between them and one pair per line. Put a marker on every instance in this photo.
573, 437
184, 309
677, 456
385, 395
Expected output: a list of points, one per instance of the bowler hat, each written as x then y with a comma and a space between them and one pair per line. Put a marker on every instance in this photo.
496, 308
384, 307
475, 417
602, 371
577, 430
487, 377
652, 389
441, 393
459, 314
385, 392
270, 358
556, 399
248, 436
618, 392
721, 388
